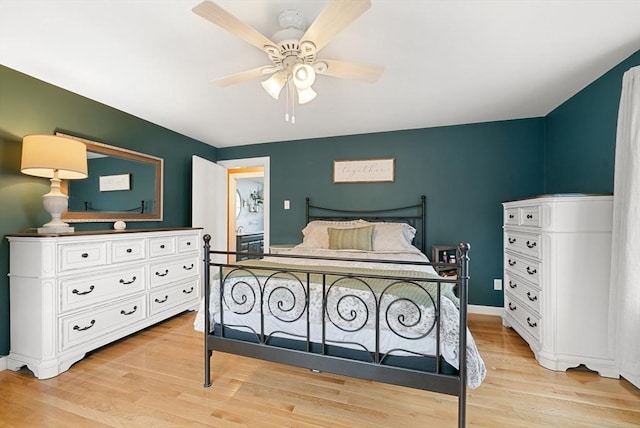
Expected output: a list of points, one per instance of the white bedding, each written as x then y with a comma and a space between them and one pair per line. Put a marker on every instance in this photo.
285, 311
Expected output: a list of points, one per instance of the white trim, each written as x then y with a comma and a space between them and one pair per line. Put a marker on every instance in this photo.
3, 363
485, 310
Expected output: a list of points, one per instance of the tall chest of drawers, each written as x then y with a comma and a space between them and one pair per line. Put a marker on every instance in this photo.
557, 257
72, 293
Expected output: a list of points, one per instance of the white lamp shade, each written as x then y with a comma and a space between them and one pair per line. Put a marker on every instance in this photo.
303, 76
305, 95
274, 84
43, 155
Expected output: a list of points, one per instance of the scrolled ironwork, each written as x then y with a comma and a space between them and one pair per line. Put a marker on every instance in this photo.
238, 289
404, 315
351, 309
283, 300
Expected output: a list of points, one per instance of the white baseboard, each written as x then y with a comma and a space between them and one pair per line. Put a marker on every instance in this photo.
485, 310
3, 363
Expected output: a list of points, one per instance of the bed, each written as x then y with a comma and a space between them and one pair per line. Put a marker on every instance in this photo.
357, 297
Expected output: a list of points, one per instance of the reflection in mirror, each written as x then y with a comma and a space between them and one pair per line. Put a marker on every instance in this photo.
122, 185
238, 204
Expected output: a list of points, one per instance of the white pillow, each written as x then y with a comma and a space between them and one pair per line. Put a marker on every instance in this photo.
393, 237
316, 233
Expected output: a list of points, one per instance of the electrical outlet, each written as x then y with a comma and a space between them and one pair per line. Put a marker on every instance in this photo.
287, 204
497, 284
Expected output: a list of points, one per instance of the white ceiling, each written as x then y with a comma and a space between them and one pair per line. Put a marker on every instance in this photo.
447, 62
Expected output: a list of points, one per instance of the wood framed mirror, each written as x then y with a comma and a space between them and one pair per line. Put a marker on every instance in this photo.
122, 185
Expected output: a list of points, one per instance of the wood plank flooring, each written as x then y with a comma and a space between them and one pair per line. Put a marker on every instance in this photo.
155, 379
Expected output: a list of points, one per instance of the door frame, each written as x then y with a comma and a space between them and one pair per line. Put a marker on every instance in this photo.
263, 162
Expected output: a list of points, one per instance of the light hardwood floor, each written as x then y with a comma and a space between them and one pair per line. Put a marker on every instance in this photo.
154, 379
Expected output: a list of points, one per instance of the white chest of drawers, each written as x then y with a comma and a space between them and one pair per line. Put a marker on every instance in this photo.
557, 257
70, 294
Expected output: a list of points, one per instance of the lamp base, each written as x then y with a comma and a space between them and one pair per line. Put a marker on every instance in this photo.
56, 229
55, 202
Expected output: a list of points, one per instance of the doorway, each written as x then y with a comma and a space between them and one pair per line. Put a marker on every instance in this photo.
246, 204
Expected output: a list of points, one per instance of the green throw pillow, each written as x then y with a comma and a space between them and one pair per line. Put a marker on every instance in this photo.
359, 238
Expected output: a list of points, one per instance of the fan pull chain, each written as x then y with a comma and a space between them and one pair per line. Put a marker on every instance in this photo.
293, 108
286, 115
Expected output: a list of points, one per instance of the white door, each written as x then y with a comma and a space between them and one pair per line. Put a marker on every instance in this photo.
209, 199
209, 203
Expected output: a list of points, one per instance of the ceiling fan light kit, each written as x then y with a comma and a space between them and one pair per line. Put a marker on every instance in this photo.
292, 50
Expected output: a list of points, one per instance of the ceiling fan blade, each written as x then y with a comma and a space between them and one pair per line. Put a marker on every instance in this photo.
214, 13
349, 70
243, 76
333, 19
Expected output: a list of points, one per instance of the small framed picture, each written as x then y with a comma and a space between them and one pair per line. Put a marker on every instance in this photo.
110, 183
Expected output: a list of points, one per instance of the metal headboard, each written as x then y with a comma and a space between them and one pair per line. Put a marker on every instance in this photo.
415, 215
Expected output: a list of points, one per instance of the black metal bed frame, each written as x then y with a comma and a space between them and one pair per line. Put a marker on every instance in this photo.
436, 381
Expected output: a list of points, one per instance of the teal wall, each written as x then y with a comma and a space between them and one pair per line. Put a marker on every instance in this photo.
581, 136
30, 106
464, 171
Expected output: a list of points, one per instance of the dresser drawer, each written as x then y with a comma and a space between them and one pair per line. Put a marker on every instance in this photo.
173, 270
91, 324
168, 298
188, 243
82, 255
529, 294
162, 246
525, 243
528, 269
530, 216
512, 216
126, 251
78, 292
518, 311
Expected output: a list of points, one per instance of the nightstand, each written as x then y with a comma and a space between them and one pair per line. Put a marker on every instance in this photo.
444, 254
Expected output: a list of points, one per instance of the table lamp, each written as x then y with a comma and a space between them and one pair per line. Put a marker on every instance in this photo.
56, 158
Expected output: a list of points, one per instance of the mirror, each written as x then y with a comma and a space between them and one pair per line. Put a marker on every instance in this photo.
122, 185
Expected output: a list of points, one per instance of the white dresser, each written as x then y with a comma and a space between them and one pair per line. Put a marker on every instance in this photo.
557, 257
72, 293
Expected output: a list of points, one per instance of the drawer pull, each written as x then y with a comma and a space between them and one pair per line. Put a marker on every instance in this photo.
166, 272
78, 328
511, 216
531, 244
84, 255
531, 271
162, 301
188, 243
129, 250
512, 262
188, 291
162, 246
512, 307
188, 268
123, 312
512, 284
529, 216
82, 293
535, 324
512, 240
122, 281
533, 299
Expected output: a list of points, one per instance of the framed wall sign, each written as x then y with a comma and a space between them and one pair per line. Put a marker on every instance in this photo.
110, 183
364, 171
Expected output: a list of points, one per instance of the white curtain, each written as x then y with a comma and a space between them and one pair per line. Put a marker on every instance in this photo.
625, 257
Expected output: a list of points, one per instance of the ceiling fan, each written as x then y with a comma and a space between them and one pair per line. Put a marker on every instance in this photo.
293, 51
